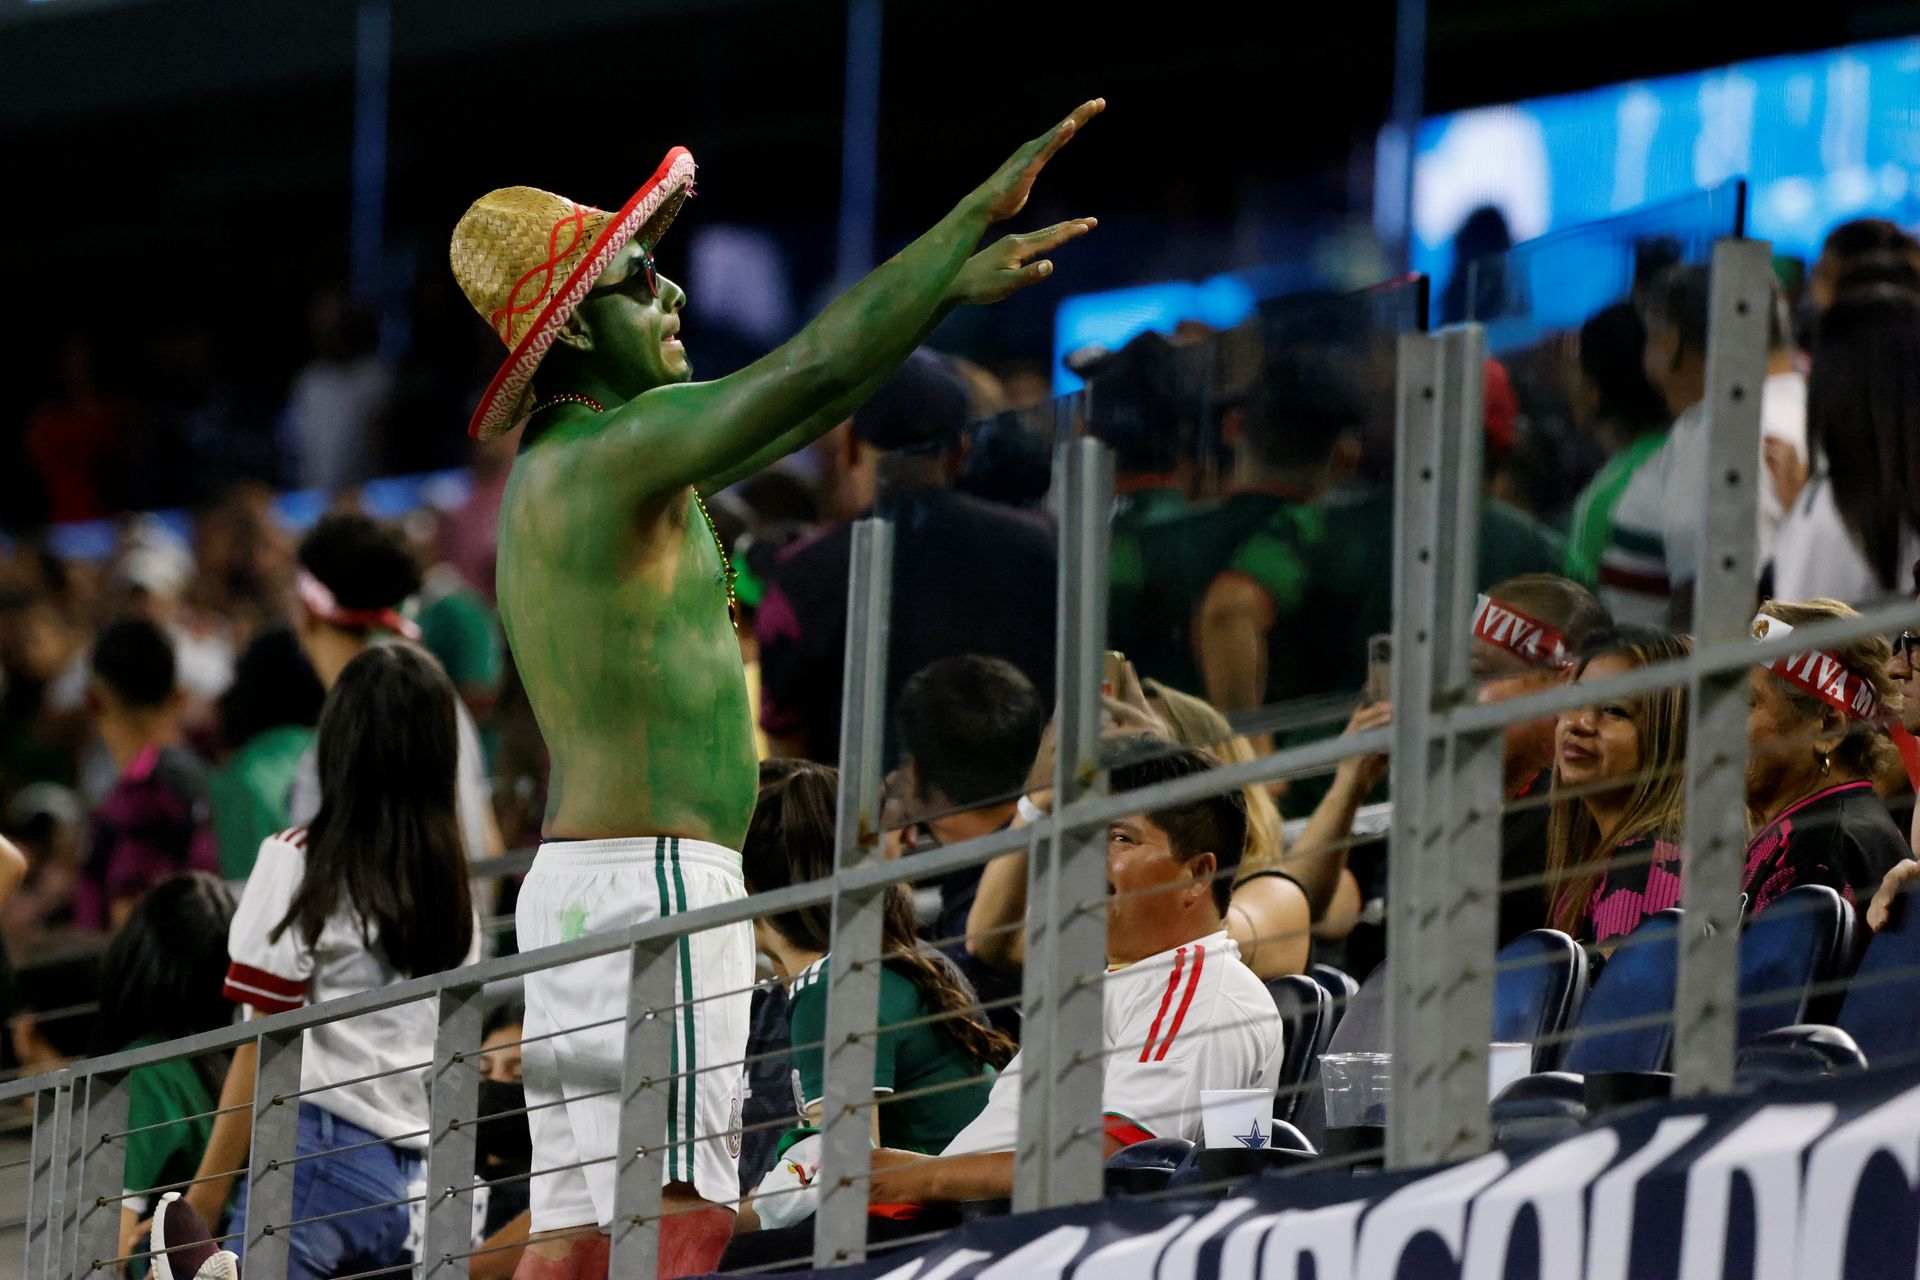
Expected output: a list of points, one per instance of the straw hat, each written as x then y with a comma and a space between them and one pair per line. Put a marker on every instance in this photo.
525, 257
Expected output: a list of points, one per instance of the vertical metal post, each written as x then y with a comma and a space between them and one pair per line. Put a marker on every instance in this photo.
646, 1091
1077, 901
453, 1083
859, 141
103, 1173
1418, 766
46, 1165
1706, 999
853, 976
1036, 1046
1462, 874
276, 1134
73, 1143
372, 54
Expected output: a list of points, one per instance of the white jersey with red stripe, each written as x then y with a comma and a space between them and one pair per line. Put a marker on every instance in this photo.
1185, 1020
274, 974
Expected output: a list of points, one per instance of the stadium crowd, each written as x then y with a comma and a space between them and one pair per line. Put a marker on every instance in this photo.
249, 769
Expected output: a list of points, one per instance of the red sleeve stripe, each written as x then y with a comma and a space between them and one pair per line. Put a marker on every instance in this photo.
248, 985
1173, 982
1186, 1002
1125, 1131
295, 836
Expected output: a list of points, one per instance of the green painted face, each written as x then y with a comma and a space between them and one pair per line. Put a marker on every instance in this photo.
633, 314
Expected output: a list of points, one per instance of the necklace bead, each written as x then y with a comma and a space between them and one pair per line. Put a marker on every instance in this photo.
726, 562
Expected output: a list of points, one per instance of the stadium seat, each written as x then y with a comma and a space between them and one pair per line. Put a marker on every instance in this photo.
1626, 1023
1875, 1024
1788, 953
1539, 985
1146, 1166
1307, 1015
1797, 1053
1618, 1045
1215, 1168
1340, 984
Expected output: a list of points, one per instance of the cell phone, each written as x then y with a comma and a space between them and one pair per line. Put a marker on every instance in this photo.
1113, 669
1379, 668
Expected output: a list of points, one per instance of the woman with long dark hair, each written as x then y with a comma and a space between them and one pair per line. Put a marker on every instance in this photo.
372, 893
1854, 531
932, 1038
1619, 787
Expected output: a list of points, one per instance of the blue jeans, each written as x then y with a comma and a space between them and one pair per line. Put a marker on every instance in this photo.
371, 1176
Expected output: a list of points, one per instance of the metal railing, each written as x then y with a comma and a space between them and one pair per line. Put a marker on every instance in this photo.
1444, 879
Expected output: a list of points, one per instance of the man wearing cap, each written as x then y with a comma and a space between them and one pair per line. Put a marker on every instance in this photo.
994, 568
615, 595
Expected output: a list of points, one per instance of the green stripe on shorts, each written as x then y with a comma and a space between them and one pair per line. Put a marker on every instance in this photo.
689, 1093
673, 1061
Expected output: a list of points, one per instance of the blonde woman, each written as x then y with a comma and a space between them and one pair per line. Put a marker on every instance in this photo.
1268, 916
1619, 786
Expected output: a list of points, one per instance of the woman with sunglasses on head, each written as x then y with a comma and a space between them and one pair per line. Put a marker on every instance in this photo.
1619, 790
1817, 738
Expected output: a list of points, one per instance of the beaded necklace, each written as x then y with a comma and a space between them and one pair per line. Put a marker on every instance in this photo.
726, 561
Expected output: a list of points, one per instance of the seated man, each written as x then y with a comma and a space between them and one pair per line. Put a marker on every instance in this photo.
968, 728
1183, 1014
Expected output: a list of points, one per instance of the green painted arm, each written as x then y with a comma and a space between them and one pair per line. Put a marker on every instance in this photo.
830, 417
988, 276
682, 434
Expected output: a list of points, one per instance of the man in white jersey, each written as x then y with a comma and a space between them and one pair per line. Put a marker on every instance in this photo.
1182, 1013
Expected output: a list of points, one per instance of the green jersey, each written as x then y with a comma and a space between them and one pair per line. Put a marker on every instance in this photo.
1593, 510
164, 1145
250, 795
907, 1061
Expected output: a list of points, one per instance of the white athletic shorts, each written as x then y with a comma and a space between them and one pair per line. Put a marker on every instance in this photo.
578, 887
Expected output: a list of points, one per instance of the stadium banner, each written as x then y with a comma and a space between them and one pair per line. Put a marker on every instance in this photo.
1809, 1182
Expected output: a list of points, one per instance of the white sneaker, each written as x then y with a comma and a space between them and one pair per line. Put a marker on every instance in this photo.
183, 1248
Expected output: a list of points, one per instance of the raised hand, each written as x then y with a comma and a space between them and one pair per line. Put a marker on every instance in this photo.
1008, 264
1005, 193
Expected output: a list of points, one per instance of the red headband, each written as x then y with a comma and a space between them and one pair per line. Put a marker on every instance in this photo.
1840, 687
315, 595
1821, 674
1526, 638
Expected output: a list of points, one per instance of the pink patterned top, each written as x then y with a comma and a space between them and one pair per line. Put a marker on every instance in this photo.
1642, 877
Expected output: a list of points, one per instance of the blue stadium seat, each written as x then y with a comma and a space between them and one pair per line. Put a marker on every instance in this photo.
1626, 1023
1306, 1013
1539, 985
1875, 1024
1789, 951
1340, 984
1144, 1167
1879, 1009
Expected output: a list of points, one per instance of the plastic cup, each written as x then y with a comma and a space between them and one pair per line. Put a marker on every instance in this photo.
1357, 1088
1237, 1119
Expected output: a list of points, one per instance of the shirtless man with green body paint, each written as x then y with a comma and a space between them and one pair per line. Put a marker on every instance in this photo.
613, 592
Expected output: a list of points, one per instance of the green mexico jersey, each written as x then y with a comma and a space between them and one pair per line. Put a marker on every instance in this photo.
908, 1061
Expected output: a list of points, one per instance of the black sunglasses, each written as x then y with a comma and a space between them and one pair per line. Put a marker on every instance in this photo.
1905, 644
642, 273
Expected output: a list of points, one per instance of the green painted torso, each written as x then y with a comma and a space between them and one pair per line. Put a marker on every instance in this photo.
617, 618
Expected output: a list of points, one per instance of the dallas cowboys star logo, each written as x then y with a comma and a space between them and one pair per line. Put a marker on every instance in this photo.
1253, 1139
